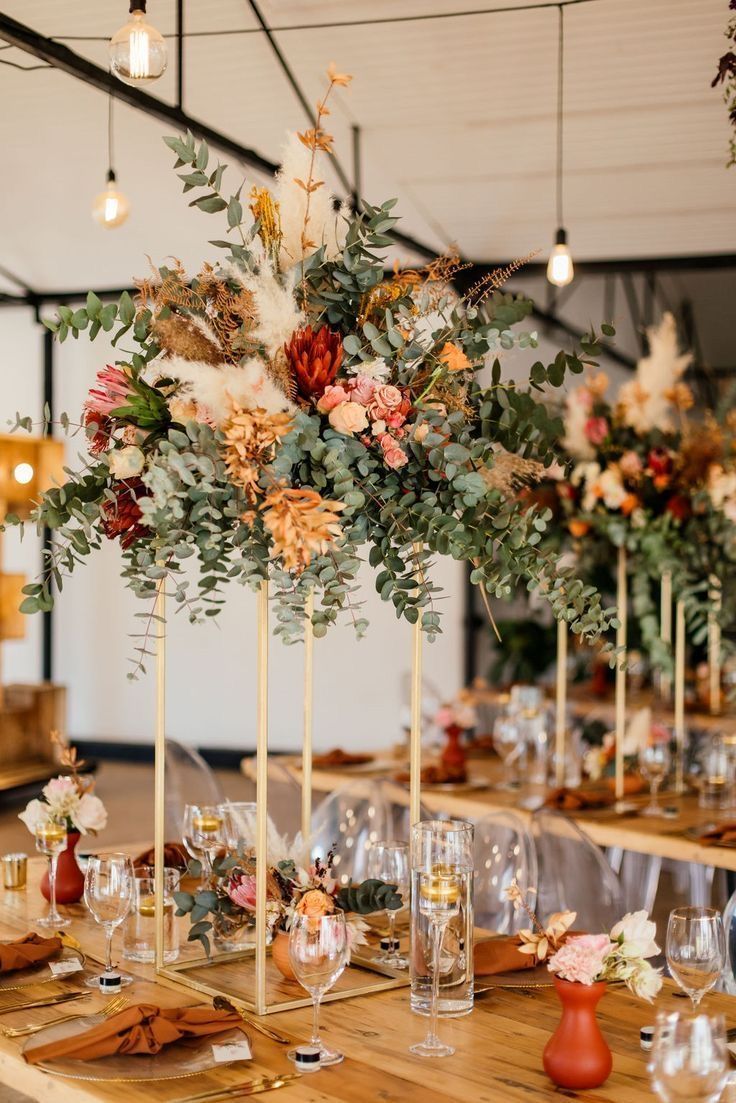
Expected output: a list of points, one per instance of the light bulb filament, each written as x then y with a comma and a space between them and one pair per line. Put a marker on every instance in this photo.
139, 54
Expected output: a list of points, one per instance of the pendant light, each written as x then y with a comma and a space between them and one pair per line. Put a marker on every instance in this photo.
560, 269
138, 53
110, 208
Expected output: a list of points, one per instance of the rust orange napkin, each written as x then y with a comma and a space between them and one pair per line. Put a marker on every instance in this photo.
720, 834
27, 951
175, 857
576, 800
500, 955
143, 1030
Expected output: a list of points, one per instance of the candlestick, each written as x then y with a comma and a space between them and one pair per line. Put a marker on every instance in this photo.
621, 597
665, 630
714, 647
679, 696
561, 703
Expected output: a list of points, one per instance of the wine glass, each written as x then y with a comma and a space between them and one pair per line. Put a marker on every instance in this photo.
439, 901
318, 951
389, 861
695, 949
239, 822
51, 840
654, 765
109, 888
204, 834
689, 1061
508, 744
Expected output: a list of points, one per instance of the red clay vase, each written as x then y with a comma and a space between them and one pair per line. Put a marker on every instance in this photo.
69, 877
453, 754
280, 955
577, 1056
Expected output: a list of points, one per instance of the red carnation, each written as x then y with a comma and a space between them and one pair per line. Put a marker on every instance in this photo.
123, 516
314, 359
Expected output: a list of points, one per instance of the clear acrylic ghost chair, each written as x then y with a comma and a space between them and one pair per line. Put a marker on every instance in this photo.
284, 795
573, 874
638, 876
189, 780
504, 852
729, 925
394, 818
348, 822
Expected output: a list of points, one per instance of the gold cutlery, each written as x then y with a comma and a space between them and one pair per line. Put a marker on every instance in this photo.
220, 1003
112, 1008
49, 1001
251, 1087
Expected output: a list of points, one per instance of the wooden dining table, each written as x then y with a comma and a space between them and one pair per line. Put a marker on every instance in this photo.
666, 837
498, 1056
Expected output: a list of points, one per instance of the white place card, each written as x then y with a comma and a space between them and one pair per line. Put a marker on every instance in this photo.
64, 968
234, 1051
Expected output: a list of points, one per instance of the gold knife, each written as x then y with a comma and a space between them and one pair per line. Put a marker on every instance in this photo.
221, 1003
49, 1001
251, 1087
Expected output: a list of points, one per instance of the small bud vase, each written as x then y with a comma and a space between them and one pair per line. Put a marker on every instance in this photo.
69, 877
577, 1056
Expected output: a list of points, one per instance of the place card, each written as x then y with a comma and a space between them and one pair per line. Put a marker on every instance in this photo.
233, 1051
64, 968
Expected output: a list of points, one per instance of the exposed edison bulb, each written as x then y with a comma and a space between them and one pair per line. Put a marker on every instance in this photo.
110, 207
560, 270
23, 473
138, 52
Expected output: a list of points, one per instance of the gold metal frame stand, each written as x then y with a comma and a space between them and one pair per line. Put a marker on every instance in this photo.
561, 704
621, 636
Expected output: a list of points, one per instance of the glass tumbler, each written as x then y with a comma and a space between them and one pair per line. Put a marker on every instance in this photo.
441, 849
139, 930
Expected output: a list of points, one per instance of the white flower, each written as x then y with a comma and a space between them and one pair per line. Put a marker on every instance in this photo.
124, 463
645, 982
90, 814
62, 796
636, 935
646, 401
611, 488
585, 473
575, 418
35, 812
377, 369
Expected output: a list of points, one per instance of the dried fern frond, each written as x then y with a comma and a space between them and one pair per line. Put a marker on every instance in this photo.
494, 280
178, 335
302, 524
509, 472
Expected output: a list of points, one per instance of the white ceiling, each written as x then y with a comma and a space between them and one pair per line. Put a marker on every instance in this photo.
457, 116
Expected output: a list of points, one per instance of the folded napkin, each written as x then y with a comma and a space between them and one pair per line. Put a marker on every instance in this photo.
339, 757
576, 800
501, 955
175, 857
27, 951
720, 834
141, 1030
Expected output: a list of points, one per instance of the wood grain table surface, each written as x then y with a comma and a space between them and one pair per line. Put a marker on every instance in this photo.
498, 1047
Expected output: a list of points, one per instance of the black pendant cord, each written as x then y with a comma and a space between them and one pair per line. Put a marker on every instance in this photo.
110, 143
560, 112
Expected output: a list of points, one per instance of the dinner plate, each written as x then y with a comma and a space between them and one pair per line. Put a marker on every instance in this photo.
696, 834
185, 1058
38, 973
472, 783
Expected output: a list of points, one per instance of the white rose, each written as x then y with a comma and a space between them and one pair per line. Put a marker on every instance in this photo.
35, 812
348, 418
636, 932
646, 982
126, 462
90, 814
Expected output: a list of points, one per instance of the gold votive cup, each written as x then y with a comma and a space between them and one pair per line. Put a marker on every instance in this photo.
15, 870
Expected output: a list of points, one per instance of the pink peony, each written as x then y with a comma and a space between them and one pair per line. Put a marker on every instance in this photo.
596, 429
581, 959
393, 454
332, 397
362, 389
242, 891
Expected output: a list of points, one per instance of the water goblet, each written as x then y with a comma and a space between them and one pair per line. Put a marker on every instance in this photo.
689, 1061
695, 949
109, 889
509, 746
439, 901
318, 952
51, 837
204, 834
389, 861
654, 765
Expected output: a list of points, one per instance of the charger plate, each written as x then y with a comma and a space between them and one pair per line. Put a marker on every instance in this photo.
188, 1057
696, 835
40, 972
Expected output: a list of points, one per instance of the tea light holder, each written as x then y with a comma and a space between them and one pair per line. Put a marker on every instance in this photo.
15, 871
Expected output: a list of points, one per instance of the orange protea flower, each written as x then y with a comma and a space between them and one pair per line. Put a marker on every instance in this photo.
578, 528
629, 504
453, 357
314, 359
302, 524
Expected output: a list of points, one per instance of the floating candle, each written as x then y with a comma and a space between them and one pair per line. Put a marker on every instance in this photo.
442, 886
207, 824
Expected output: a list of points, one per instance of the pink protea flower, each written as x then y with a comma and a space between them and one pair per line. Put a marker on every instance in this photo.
112, 390
596, 429
242, 890
581, 959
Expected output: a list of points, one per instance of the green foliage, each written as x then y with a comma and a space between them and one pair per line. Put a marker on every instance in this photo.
370, 896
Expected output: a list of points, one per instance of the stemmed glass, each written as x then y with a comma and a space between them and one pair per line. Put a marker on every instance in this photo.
109, 888
654, 765
389, 861
689, 1058
509, 745
239, 821
695, 949
318, 951
51, 840
204, 834
439, 901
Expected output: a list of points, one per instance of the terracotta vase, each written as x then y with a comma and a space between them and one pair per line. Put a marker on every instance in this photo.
280, 955
453, 753
69, 877
577, 1056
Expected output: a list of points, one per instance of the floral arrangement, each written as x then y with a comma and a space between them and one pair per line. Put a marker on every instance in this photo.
291, 889
298, 402
68, 799
538, 941
726, 75
459, 713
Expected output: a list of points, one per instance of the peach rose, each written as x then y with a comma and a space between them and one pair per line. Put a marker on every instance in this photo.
315, 904
578, 528
393, 454
333, 395
348, 418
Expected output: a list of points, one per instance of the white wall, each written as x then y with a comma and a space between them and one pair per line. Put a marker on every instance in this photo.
211, 669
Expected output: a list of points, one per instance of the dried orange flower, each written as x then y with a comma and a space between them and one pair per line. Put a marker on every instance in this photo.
342, 79
453, 357
538, 940
597, 384
680, 396
250, 437
302, 524
265, 211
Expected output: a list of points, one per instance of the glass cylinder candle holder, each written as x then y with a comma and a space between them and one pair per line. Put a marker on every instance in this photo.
139, 930
442, 866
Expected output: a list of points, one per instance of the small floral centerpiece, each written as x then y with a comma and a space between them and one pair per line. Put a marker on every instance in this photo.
291, 889
68, 799
453, 719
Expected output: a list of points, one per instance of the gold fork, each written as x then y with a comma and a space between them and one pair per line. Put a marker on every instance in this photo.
119, 1003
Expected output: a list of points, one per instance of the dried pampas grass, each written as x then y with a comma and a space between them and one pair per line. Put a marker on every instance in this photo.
275, 307
646, 402
509, 473
215, 387
324, 225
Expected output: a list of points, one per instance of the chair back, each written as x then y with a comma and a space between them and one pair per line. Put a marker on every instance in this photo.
348, 822
574, 874
189, 780
504, 852
284, 795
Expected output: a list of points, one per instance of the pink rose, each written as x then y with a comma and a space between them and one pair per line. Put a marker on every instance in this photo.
630, 465
332, 397
362, 388
581, 959
596, 429
393, 454
242, 891
388, 397
348, 418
